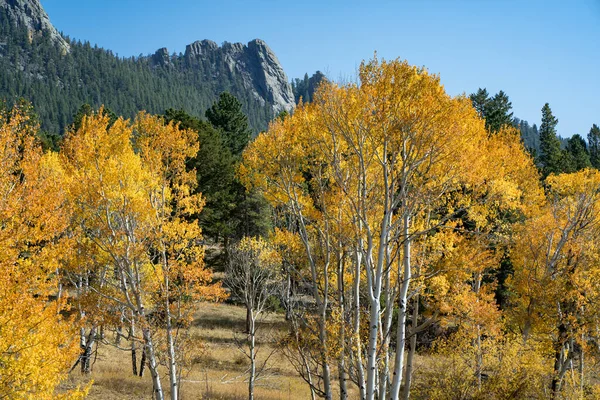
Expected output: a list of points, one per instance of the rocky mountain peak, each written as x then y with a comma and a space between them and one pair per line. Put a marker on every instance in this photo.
31, 14
255, 63
270, 76
200, 48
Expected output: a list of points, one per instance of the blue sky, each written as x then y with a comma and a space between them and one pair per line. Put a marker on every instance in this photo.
536, 51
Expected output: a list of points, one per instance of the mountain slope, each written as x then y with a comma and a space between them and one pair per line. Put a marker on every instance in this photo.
58, 75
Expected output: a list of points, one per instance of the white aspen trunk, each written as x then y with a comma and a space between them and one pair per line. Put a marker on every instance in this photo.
342, 375
172, 361
372, 347
358, 343
171, 345
479, 355
119, 330
309, 380
401, 328
87, 352
142, 364
82, 339
288, 297
153, 366
133, 349
375, 283
326, 369
252, 345
321, 306
411, 351
386, 324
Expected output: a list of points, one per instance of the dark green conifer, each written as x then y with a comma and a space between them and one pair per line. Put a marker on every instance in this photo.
594, 146
551, 156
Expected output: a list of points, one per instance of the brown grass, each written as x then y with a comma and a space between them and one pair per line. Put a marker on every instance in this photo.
217, 371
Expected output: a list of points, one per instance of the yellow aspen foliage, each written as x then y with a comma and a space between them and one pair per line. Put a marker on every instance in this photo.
164, 150
36, 342
511, 369
555, 280
132, 198
371, 174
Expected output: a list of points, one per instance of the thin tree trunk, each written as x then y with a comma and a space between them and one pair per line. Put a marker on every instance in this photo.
252, 343
324, 358
87, 352
133, 358
149, 351
321, 304
386, 326
248, 321
171, 344
133, 349
142, 364
401, 328
411, 351
357, 339
288, 298
172, 360
309, 380
372, 347
342, 374
479, 355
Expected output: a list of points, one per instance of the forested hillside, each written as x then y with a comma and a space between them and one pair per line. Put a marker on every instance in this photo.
37, 68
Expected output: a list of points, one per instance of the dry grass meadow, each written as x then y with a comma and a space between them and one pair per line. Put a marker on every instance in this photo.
217, 369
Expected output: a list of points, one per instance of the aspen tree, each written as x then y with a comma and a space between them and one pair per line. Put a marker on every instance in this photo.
36, 342
384, 151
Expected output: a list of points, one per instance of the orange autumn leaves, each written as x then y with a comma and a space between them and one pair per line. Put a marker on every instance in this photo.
36, 342
368, 168
112, 191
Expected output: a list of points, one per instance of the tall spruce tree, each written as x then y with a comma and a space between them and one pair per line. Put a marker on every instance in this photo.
498, 112
495, 110
226, 115
577, 153
251, 213
480, 99
551, 156
594, 146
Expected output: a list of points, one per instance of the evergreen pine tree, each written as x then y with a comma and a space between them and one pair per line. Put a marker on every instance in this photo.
594, 146
578, 154
226, 115
480, 99
497, 112
551, 156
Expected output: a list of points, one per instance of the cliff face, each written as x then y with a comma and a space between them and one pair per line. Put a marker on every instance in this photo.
64, 78
31, 15
255, 63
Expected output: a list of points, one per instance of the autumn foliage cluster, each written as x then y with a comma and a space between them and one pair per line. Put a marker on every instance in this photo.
417, 232
415, 253
97, 238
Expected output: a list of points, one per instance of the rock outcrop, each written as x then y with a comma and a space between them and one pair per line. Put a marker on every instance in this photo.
31, 14
161, 57
256, 64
